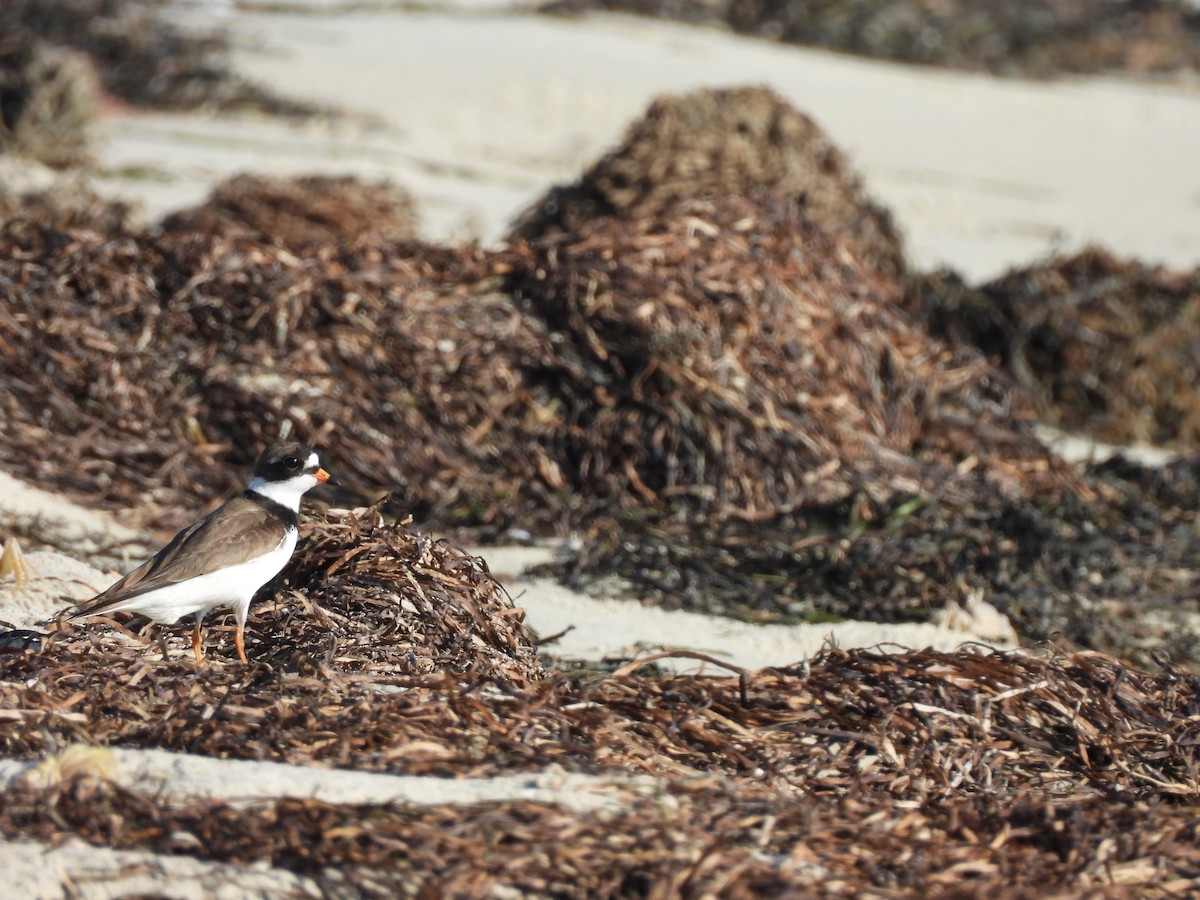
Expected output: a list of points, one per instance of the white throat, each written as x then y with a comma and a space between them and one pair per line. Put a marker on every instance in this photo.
285, 493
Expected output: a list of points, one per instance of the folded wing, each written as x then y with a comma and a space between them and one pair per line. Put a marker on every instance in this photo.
201, 548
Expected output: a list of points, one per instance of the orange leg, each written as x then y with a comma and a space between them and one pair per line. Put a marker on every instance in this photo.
197, 645
240, 641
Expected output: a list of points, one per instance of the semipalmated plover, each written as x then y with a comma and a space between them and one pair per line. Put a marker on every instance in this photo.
223, 559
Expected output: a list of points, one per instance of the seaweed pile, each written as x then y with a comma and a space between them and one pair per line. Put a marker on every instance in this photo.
692, 841
738, 361
141, 56
296, 211
1027, 38
47, 98
359, 596
737, 413
175, 358
1114, 570
1108, 347
735, 361
727, 142
733, 408
378, 598
58, 57
860, 771
68, 204
921, 725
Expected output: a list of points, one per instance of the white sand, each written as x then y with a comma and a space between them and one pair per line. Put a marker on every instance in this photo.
78, 870
185, 775
616, 628
56, 582
67, 523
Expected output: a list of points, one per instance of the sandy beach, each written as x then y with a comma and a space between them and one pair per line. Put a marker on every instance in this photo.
477, 108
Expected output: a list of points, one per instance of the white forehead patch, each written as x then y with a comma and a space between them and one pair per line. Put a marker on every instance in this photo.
313, 462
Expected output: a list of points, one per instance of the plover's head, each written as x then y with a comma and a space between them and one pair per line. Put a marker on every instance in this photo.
285, 471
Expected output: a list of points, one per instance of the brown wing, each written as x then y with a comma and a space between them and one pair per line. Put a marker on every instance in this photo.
197, 550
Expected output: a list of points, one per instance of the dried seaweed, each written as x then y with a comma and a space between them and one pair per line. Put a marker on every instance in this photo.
1109, 347
1027, 38
299, 210
391, 602
736, 361
142, 57
47, 98
1114, 572
693, 841
859, 771
733, 408
729, 142
140, 374
68, 205
920, 726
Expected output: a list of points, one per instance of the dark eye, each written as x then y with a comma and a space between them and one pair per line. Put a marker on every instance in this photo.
292, 462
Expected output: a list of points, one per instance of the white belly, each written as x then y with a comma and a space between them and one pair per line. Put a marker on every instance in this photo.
234, 587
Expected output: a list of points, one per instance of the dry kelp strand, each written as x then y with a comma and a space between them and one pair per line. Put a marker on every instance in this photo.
297, 210
919, 726
1107, 346
725, 142
736, 373
708, 840
860, 772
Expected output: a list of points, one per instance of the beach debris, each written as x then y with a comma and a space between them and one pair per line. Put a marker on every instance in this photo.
716, 839
70, 204
731, 358
733, 323
1072, 725
725, 142
143, 57
301, 209
20, 640
733, 412
1025, 38
1112, 569
976, 616
188, 352
1109, 347
73, 762
1008, 765
381, 599
13, 563
47, 99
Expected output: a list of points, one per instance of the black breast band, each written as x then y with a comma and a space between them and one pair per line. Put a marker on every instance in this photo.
278, 510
